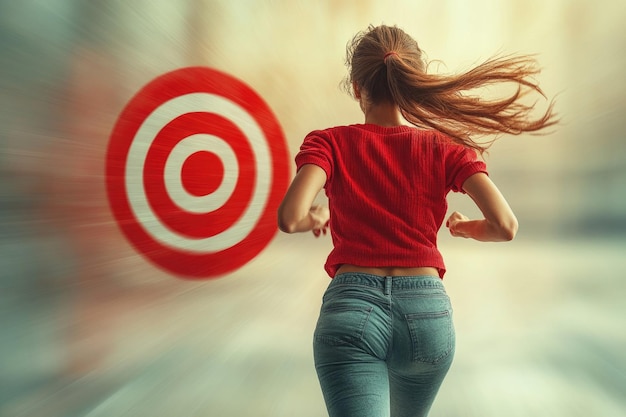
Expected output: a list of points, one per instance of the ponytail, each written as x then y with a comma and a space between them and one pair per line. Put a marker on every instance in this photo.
387, 63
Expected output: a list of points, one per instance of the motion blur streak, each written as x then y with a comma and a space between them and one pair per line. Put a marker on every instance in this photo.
89, 328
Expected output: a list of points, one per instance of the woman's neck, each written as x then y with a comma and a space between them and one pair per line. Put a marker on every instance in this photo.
383, 114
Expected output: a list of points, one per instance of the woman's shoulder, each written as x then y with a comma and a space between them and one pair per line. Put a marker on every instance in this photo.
426, 137
371, 129
336, 129
334, 133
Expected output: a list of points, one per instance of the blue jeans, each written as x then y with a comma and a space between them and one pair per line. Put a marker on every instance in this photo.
383, 345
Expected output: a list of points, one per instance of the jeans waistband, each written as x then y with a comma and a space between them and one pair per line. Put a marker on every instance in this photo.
396, 283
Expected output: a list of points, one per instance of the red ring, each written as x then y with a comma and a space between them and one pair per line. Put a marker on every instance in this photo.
195, 225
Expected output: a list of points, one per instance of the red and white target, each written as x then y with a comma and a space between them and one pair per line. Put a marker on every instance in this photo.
196, 167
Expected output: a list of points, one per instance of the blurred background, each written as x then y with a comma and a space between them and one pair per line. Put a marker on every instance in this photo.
88, 327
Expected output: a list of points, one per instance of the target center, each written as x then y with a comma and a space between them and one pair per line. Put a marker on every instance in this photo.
202, 173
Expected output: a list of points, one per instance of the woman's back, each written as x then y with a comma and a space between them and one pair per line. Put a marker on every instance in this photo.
387, 190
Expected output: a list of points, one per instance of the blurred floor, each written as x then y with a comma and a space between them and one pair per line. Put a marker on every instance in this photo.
540, 332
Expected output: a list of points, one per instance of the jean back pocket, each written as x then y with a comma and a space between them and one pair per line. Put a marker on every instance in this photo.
432, 335
341, 323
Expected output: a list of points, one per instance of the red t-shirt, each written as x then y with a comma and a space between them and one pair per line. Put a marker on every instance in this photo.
386, 189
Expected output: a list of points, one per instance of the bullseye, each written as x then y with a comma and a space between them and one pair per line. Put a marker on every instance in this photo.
202, 173
196, 166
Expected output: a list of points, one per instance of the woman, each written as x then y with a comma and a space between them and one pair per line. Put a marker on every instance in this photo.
384, 340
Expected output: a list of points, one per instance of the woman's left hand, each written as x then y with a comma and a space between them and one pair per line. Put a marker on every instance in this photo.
320, 215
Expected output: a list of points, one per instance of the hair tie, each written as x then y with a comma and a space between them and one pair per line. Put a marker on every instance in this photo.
388, 54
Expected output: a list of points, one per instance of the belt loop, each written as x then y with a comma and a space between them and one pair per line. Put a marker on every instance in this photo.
387, 290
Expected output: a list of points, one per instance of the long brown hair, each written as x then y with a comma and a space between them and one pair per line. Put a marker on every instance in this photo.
388, 64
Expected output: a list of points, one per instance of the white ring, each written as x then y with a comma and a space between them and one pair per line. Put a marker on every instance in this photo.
174, 167
152, 125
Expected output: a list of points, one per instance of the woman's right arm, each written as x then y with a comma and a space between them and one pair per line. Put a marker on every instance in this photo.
499, 224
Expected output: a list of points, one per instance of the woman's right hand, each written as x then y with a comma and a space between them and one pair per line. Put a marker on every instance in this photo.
499, 224
453, 222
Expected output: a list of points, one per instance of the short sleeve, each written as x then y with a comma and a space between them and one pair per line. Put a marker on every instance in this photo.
461, 163
316, 149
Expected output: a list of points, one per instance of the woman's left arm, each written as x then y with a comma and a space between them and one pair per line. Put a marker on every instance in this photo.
296, 213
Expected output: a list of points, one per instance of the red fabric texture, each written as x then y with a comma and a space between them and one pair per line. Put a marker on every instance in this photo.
387, 189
